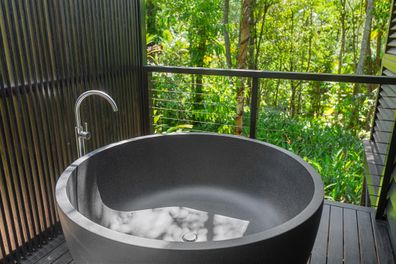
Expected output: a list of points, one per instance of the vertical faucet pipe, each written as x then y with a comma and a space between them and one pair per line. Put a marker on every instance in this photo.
82, 133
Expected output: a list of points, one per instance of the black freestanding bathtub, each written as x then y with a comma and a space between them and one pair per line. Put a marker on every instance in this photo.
190, 198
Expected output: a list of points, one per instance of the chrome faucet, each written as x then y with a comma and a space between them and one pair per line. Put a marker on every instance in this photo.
82, 133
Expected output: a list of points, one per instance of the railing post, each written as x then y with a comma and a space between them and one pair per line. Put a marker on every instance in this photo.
145, 78
253, 107
148, 86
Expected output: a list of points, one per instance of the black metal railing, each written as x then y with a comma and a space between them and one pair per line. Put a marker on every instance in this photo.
256, 75
254, 99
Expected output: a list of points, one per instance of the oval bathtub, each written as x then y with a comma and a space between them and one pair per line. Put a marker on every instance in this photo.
190, 198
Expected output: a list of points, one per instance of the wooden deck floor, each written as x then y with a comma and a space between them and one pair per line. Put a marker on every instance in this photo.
347, 234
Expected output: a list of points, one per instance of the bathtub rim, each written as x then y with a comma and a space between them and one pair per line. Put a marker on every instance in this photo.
83, 222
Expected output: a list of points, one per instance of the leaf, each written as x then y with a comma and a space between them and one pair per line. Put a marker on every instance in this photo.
156, 119
179, 128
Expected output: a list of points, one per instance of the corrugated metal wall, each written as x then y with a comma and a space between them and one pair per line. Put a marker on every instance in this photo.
50, 52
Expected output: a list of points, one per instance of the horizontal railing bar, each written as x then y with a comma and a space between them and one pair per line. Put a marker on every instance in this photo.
192, 129
222, 124
173, 101
192, 103
323, 77
182, 110
194, 121
181, 92
172, 83
218, 124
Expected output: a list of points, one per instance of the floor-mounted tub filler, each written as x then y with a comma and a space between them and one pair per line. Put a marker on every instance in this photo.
190, 198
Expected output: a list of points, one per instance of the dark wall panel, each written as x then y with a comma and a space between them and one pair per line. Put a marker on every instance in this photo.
380, 151
391, 209
50, 52
385, 121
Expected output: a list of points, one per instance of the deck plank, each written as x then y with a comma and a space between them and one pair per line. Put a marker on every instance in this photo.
55, 254
319, 251
351, 237
66, 258
347, 234
366, 239
335, 254
45, 250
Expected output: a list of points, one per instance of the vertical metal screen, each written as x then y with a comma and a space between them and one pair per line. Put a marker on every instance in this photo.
50, 52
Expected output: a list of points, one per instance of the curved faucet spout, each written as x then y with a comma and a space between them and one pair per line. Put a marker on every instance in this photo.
86, 94
82, 133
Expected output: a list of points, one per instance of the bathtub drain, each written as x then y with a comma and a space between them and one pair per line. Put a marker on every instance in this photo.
190, 237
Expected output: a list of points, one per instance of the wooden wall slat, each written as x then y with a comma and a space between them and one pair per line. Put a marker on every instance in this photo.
50, 52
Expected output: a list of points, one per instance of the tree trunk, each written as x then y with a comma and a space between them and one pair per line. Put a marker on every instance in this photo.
252, 27
378, 52
311, 35
342, 50
291, 61
292, 99
354, 41
299, 102
343, 33
244, 33
261, 35
360, 68
198, 91
275, 104
316, 99
226, 10
366, 38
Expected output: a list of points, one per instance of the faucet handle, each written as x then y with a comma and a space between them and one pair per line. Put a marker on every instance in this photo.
87, 134
84, 133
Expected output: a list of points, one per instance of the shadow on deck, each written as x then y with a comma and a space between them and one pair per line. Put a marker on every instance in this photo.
347, 234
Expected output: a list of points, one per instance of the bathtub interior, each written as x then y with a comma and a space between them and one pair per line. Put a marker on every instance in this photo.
228, 187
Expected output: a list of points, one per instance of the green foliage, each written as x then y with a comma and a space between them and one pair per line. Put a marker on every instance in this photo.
335, 153
297, 35
173, 104
322, 122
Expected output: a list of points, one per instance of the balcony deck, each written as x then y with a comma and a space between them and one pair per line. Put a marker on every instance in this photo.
347, 234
